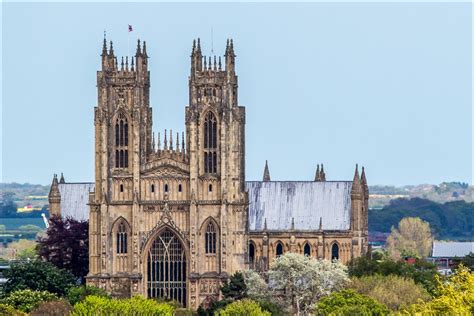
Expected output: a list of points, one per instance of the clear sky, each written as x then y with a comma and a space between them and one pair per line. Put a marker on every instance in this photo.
386, 85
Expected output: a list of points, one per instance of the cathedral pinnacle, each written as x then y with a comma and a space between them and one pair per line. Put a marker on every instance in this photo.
266, 172
139, 49
61, 180
104, 47
144, 50
322, 174
317, 177
111, 51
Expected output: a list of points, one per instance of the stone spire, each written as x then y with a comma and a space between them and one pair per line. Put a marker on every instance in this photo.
266, 173
317, 176
364, 185
356, 191
61, 180
54, 198
322, 174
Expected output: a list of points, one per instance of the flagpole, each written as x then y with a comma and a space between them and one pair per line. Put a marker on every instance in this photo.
128, 44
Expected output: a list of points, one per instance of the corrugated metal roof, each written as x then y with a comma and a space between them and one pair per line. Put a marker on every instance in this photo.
74, 199
451, 249
277, 201
305, 202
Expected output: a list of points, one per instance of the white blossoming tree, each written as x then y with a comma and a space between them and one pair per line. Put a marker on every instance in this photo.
301, 281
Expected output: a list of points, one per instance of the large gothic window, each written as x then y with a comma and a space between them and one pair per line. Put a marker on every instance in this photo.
122, 238
210, 143
211, 238
251, 252
121, 142
335, 252
166, 265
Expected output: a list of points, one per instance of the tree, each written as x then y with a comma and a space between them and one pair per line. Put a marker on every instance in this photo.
349, 302
301, 281
412, 238
454, 297
393, 291
37, 276
66, 245
257, 288
23, 249
422, 272
79, 293
243, 307
235, 288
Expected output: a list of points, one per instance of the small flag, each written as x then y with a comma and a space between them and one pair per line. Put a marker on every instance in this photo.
130, 28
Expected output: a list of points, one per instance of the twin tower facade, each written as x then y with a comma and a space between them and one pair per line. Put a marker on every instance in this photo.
172, 216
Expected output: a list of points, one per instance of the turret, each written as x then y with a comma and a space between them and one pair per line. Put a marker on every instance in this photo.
266, 173
54, 198
322, 174
196, 57
230, 57
317, 176
61, 180
356, 202
141, 57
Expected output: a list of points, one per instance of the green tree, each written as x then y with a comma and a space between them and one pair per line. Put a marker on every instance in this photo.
422, 272
26, 300
393, 291
257, 288
23, 249
412, 238
38, 276
7, 310
454, 297
235, 288
349, 302
301, 281
245, 307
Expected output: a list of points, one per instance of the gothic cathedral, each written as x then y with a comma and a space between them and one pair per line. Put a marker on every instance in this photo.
173, 217
177, 212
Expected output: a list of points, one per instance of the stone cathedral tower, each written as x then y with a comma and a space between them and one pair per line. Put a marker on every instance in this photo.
168, 221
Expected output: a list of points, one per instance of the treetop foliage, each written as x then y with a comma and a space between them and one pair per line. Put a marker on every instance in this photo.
412, 238
26, 300
243, 307
447, 221
66, 245
349, 302
235, 288
38, 276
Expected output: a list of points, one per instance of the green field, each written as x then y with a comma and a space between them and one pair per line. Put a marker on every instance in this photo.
14, 223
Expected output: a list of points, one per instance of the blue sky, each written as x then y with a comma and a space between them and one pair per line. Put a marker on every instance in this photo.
385, 85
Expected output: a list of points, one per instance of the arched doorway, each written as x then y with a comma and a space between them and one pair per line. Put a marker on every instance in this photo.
166, 266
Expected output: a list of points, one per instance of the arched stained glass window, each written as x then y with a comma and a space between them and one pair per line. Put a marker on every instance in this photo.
211, 238
122, 238
279, 249
251, 252
307, 250
335, 252
121, 142
210, 143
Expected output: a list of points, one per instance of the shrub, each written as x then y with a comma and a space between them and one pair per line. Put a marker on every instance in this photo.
38, 276
349, 302
26, 300
53, 308
137, 305
393, 291
78, 293
235, 288
7, 310
243, 307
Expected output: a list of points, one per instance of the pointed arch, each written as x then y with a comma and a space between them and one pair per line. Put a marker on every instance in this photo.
335, 251
121, 229
279, 248
251, 252
307, 249
121, 139
210, 140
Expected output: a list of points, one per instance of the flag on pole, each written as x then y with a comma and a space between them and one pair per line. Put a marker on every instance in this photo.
130, 28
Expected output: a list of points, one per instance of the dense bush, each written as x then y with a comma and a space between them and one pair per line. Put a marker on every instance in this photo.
26, 300
137, 305
453, 297
422, 272
52, 308
79, 293
38, 276
393, 291
243, 307
7, 310
349, 302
